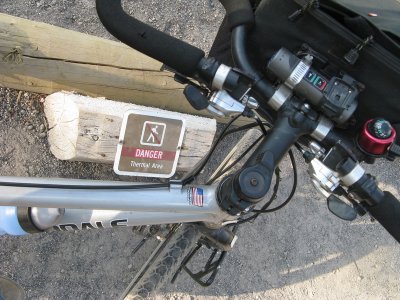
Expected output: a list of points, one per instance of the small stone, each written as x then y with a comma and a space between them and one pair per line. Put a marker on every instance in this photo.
22, 111
129, 266
95, 138
43, 134
29, 127
42, 128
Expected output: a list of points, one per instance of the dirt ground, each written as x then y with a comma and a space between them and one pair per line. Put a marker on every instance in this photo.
300, 252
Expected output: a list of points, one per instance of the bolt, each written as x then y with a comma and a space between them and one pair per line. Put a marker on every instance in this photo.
253, 181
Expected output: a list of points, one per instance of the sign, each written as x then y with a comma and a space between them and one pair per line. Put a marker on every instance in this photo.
149, 144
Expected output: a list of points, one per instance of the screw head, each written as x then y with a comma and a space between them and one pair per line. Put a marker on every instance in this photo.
253, 181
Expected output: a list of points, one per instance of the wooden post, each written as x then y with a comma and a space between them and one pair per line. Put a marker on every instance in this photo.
42, 58
87, 129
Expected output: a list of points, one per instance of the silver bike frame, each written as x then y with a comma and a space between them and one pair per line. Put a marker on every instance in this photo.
75, 209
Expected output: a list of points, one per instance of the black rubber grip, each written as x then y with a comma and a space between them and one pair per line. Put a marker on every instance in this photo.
238, 12
387, 212
176, 54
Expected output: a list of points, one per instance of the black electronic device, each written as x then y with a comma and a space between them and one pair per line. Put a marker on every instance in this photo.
336, 97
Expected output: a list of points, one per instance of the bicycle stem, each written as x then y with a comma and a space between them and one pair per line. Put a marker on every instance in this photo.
242, 191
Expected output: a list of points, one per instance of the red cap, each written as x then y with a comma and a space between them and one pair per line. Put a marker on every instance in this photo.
376, 136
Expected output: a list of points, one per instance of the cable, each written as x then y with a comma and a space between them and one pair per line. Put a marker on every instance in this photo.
86, 187
299, 147
268, 203
276, 187
265, 114
260, 123
245, 127
200, 165
293, 191
226, 169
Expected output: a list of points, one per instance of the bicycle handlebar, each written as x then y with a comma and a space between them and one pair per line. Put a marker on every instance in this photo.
180, 56
387, 213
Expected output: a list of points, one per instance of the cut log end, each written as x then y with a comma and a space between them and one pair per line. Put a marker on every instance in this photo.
63, 117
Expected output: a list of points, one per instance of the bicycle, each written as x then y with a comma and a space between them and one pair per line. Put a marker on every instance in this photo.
226, 91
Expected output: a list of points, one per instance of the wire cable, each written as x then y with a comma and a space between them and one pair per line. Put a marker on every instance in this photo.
268, 203
245, 127
200, 165
86, 187
292, 192
226, 169
265, 209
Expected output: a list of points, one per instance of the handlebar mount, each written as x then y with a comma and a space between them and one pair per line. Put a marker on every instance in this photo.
242, 191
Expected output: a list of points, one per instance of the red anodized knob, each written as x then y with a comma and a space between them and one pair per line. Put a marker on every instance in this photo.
376, 136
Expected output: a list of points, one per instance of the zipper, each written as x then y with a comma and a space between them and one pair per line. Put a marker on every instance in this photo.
354, 53
311, 4
377, 51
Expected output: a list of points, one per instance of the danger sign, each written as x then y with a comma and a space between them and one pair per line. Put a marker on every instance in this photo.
149, 144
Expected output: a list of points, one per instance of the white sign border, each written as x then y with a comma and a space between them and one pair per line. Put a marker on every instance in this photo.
166, 115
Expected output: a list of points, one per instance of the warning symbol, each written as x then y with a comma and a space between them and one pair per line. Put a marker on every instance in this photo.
149, 144
153, 134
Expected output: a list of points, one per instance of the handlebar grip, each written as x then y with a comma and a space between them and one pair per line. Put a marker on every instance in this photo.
176, 54
239, 12
387, 212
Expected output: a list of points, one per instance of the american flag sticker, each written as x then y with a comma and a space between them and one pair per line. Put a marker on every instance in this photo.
196, 196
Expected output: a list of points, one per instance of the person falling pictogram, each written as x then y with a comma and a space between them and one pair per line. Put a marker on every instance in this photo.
153, 134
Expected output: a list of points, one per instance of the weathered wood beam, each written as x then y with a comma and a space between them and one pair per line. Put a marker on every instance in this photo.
42, 58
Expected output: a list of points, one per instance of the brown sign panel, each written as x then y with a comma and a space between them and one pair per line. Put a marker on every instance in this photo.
149, 144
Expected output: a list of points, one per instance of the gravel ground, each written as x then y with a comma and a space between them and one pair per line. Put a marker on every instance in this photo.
300, 252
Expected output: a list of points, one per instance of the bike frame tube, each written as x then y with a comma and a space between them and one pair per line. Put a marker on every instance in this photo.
132, 207
80, 219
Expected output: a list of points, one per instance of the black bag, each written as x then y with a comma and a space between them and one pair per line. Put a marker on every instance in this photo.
343, 41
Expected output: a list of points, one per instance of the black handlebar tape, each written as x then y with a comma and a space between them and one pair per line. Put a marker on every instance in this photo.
387, 212
238, 12
176, 54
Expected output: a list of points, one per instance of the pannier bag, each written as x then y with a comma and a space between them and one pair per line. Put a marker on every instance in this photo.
340, 40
